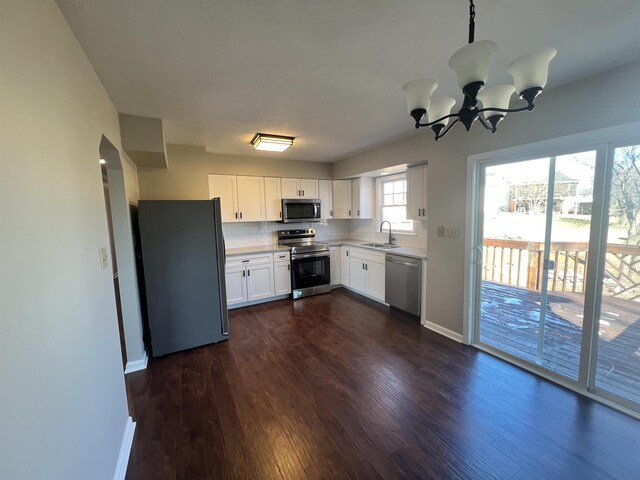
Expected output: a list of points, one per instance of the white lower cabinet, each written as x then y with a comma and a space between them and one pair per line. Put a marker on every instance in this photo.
375, 280
335, 265
357, 275
235, 278
260, 282
366, 272
282, 274
344, 266
249, 278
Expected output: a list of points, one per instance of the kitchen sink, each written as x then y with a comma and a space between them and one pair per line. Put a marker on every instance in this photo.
379, 245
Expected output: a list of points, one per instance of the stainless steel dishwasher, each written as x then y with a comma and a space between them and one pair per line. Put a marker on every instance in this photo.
403, 282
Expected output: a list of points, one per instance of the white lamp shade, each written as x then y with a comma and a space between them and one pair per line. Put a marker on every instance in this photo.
419, 93
497, 97
471, 62
439, 108
532, 69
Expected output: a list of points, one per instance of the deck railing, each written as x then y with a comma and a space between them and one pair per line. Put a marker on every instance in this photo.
520, 263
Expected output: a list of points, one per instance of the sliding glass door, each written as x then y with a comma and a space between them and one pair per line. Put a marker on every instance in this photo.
556, 267
535, 238
617, 369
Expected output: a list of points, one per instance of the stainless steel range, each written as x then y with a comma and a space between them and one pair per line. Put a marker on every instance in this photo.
310, 262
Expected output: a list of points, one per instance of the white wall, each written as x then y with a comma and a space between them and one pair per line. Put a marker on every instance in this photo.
63, 404
596, 102
122, 195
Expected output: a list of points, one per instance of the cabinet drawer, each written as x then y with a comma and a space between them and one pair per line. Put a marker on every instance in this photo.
258, 259
367, 254
283, 256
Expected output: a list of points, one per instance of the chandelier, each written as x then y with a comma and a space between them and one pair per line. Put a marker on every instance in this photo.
471, 64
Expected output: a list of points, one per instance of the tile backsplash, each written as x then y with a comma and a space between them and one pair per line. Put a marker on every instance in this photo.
265, 233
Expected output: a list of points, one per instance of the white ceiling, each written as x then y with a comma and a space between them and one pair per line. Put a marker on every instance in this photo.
328, 72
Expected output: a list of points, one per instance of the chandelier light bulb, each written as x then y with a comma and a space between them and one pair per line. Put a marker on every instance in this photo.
419, 93
496, 97
441, 107
532, 69
471, 62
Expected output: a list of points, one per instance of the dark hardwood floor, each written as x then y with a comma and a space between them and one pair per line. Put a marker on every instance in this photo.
338, 386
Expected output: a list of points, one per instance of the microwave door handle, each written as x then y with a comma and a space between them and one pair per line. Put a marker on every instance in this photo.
316, 210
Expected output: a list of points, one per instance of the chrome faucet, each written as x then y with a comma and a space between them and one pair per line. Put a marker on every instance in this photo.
392, 239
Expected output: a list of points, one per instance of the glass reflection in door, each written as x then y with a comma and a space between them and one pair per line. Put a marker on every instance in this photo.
618, 357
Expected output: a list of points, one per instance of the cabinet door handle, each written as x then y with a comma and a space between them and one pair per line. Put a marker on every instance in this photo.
236, 214
248, 273
280, 214
240, 214
331, 213
303, 193
424, 212
349, 212
289, 267
363, 266
346, 253
366, 267
358, 213
243, 273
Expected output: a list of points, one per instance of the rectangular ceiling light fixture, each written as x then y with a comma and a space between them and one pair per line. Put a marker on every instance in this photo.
271, 143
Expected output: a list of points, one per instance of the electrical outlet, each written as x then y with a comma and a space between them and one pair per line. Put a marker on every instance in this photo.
440, 230
452, 232
104, 258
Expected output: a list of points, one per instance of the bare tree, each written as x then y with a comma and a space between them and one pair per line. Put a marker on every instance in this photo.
532, 196
625, 191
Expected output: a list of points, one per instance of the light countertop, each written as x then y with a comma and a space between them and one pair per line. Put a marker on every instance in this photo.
408, 251
255, 249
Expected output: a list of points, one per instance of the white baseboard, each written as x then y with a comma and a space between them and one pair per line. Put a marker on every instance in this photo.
125, 450
137, 364
443, 331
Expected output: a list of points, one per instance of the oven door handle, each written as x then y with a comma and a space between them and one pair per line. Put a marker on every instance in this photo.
310, 255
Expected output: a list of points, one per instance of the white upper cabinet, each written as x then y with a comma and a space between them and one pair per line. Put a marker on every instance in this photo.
299, 188
342, 199
225, 187
290, 187
272, 198
362, 204
309, 187
241, 198
417, 193
325, 194
251, 199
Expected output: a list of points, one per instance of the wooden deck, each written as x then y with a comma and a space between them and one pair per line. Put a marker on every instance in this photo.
510, 323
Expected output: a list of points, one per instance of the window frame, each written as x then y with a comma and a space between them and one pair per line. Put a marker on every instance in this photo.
380, 197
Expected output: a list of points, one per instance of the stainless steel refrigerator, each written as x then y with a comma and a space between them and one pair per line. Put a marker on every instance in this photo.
183, 259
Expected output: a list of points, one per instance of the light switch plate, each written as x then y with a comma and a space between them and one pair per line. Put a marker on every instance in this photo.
452, 232
104, 258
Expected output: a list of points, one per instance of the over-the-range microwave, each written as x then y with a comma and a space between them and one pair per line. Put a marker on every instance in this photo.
296, 210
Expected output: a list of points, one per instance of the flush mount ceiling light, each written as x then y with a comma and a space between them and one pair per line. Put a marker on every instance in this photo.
471, 64
271, 143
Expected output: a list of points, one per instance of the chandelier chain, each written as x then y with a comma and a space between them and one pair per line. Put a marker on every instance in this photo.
472, 21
